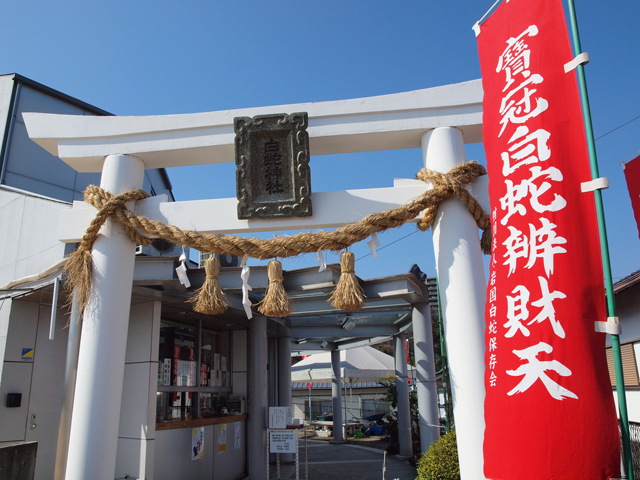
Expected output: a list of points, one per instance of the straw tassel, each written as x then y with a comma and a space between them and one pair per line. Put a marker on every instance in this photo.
275, 303
485, 241
78, 272
210, 299
348, 294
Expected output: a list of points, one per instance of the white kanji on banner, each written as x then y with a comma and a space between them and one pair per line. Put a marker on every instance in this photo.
535, 369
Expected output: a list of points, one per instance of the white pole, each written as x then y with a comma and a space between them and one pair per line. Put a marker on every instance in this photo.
54, 308
336, 393
462, 291
98, 394
284, 380
425, 376
258, 391
70, 369
405, 444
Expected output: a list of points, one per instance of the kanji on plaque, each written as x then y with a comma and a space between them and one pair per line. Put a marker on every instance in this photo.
549, 409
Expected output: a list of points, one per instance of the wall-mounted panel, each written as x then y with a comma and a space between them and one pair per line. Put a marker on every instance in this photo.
16, 378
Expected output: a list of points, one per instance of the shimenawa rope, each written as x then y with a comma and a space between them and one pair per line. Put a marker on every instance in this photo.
142, 230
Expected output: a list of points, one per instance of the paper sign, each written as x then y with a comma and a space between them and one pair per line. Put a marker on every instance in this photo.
279, 417
222, 438
283, 442
237, 436
197, 443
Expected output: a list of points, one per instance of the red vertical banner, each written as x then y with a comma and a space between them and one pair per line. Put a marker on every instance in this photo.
549, 407
632, 174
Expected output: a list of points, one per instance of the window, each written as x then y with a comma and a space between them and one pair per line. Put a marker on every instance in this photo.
194, 378
629, 365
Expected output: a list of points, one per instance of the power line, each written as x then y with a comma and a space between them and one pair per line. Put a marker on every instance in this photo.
389, 244
402, 238
619, 126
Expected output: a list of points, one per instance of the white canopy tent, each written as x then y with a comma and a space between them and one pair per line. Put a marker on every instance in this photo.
362, 364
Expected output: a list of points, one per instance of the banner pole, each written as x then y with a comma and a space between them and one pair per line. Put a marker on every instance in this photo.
611, 305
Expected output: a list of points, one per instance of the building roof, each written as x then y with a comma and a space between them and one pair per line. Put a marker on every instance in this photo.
627, 282
327, 385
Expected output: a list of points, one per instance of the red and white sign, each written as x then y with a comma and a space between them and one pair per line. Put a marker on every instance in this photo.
632, 174
549, 410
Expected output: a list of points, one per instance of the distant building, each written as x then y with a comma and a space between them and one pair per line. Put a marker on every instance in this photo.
627, 295
35, 187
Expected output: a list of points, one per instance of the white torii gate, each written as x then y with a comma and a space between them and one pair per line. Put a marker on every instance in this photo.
440, 120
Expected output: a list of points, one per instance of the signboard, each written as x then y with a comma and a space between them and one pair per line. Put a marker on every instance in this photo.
549, 411
273, 178
283, 442
279, 417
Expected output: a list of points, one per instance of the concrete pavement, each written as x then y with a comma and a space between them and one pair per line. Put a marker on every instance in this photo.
329, 461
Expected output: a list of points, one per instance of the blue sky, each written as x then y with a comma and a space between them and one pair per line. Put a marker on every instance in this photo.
155, 58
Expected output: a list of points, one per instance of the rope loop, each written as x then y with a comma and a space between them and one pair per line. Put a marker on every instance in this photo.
143, 230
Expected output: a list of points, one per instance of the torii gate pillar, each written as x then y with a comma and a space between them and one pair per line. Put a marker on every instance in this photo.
462, 286
96, 406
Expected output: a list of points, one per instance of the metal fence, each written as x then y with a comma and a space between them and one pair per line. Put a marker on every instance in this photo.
634, 432
373, 407
353, 407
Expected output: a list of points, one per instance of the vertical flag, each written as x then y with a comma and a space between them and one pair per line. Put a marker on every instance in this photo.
549, 408
632, 174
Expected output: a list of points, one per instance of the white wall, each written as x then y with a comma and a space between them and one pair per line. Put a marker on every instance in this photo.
173, 455
40, 381
137, 432
47, 387
29, 237
628, 311
16, 373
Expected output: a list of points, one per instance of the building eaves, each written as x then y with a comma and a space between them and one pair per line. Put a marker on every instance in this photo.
627, 282
32, 194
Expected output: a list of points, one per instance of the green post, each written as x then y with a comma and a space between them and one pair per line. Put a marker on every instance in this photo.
611, 304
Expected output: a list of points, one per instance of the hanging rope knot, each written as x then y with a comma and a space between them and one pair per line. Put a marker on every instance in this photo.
446, 185
79, 266
110, 205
